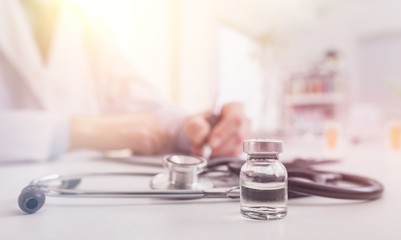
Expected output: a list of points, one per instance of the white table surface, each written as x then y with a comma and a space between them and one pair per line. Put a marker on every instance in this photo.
308, 218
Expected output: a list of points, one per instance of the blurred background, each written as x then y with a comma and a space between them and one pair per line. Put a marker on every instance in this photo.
302, 68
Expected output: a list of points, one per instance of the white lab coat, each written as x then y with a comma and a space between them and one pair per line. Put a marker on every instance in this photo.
84, 75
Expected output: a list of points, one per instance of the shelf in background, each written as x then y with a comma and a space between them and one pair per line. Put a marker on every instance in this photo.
313, 99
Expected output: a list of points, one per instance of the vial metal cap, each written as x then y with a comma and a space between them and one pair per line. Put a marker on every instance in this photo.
263, 146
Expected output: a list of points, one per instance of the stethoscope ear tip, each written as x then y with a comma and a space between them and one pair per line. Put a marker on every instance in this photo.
31, 199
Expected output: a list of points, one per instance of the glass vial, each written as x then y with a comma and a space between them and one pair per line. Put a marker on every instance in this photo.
263, 181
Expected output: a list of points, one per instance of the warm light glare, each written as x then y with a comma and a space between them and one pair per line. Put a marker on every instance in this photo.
142, 32
95, 7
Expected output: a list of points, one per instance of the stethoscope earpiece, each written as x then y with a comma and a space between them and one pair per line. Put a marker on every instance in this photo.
31, 199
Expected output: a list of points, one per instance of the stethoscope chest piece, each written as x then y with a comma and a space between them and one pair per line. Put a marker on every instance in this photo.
183, 172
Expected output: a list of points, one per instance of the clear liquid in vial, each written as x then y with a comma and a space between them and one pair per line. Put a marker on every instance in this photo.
264, 201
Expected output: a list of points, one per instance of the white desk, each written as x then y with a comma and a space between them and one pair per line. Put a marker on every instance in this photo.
308, 218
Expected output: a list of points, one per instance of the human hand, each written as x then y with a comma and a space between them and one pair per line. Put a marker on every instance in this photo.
225, 138
142, 133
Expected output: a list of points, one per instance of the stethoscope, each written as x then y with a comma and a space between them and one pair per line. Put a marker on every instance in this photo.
192, 177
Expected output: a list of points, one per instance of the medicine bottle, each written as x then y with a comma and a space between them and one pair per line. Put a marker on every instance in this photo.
263, 181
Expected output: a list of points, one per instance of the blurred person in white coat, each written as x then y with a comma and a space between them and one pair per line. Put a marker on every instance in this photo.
63, 86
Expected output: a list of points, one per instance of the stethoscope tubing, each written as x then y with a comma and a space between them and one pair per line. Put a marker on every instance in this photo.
69, 182
33, 197
302, 181
162, 194
367, 189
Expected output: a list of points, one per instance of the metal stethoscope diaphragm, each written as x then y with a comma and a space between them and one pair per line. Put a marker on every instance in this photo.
184, 172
